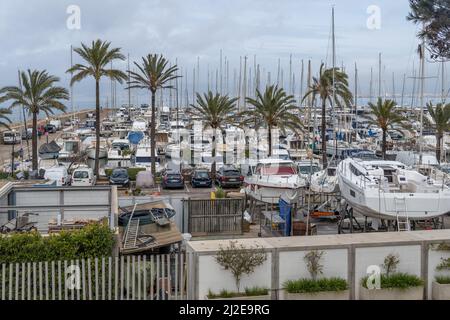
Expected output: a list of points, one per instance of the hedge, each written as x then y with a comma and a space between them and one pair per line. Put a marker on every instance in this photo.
94, 240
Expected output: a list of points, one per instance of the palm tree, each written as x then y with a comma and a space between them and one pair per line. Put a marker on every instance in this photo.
385, 116
434, 16
441, 119
154, 73
215, 111
98, 58
39, 94
273, 109
4, 119
324, 88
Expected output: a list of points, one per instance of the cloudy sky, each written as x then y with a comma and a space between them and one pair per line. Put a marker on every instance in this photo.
35, 35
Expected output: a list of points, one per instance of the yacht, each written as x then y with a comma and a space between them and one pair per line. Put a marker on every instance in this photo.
272, 179
390, 190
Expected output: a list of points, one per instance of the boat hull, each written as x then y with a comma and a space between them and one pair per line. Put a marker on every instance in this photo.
382, 205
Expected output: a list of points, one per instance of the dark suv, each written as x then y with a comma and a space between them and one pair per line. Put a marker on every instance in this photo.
172, 179
229, 176
201, 178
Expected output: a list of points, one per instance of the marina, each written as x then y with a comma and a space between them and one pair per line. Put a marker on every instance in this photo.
227, 176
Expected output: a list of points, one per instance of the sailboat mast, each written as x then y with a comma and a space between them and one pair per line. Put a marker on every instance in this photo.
129, 89
403, 90
422, 80
334, 82
379, 75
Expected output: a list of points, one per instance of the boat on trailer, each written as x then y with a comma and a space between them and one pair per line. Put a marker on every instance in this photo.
390, 190
274, 178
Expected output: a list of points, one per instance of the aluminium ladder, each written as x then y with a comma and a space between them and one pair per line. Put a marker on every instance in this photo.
402, 219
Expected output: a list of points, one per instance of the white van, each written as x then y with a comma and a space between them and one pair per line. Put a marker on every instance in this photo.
58, 174
83, 177
12, 137
57, 124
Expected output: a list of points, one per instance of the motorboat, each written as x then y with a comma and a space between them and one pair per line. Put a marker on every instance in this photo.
390, 190
325, 181
119, 150
274, 178
70, 146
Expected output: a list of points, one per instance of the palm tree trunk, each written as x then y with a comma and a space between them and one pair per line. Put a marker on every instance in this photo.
153, 135
383, 147
34, 142
224, 148
269, 137
97, 127
213, 154
438, 147
324, 138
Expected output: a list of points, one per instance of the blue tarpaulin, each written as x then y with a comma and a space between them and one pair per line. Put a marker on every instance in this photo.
285, 214
135, 137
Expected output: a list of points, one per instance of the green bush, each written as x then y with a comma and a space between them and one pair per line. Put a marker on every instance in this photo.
220, 194
443, 279
397, 280
132, 172
95, 240
318, 285
249, 292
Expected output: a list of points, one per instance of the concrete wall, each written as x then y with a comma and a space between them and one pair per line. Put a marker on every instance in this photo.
72, 202
345, 256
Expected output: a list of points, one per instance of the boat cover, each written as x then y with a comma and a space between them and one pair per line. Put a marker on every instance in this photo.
51, 147
144, 179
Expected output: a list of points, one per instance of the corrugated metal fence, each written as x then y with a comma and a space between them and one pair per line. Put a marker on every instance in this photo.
155, 277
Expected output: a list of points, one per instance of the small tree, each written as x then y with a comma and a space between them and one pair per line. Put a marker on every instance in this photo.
240, 260
313, 264
390, 263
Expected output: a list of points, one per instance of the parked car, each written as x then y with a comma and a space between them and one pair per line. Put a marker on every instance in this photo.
120, 177
50, 128
201, 178
172, 179
229, 176
58, 174
28, 134
83, 177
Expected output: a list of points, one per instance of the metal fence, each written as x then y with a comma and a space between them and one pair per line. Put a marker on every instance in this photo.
155, 277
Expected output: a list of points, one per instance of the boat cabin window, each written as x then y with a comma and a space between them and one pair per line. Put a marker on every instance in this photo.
307, 169
355, 171
389, 174
275, 169
331, 172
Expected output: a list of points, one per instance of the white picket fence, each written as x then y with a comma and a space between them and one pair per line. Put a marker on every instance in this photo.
155, 277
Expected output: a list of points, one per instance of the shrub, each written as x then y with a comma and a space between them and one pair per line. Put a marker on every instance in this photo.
240, 260
444, 265
443, 279
319, 285
94, 240
396, 280
220, 194
249, 292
